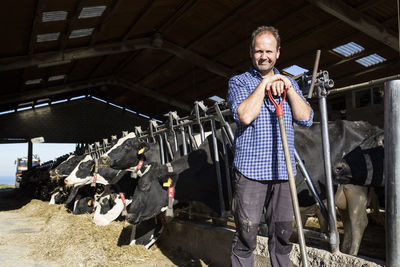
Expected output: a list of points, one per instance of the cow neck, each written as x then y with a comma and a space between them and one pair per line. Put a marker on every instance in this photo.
137, 170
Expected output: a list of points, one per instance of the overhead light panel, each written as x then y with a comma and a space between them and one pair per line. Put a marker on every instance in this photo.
47, 37
91, 11
348, 49
371, 60
81, 33
54, 16
295, 70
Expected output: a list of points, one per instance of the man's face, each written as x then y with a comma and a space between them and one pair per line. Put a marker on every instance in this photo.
264, 53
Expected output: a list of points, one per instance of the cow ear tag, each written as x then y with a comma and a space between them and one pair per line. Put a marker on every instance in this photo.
141, 151
167, 184
89, 203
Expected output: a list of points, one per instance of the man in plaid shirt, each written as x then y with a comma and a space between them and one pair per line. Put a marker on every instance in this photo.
260, 174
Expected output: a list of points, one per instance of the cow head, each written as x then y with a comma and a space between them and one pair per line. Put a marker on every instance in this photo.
341, 172
125, 153
66, 167
151, 194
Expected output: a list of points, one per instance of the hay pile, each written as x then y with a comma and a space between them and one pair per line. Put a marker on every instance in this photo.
73, 240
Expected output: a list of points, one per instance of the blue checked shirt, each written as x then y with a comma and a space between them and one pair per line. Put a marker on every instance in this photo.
258, 146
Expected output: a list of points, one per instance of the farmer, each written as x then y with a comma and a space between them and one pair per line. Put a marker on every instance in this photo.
260, 175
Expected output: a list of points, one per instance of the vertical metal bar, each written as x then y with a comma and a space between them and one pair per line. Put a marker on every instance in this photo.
217, 168
311, 185
192, 140
227, 168
30, 154
197, 111
184, 140
175, 142
333, 234
171, 155
161, 149
392, 171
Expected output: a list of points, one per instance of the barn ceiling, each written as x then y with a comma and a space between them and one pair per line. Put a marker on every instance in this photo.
156, 56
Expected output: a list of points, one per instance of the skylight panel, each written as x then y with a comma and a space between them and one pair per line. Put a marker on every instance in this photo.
115, 105
34, 81
143, 115
47, 37
41, 105
91, 11
77, 97
371, 60
348, 49
131, 111
7, 111
56, 77
81, 33
24, 108
54, 16
216, 98
99, 99
295, 70
59, 101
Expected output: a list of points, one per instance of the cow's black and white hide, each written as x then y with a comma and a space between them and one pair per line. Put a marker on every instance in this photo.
82, 198
123, 154
360, 178
60, 192
195, 182
345, 136
114, 201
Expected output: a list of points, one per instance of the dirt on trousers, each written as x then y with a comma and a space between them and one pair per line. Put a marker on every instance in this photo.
34, 233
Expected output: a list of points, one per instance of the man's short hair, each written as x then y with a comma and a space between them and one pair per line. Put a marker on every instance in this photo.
262, 29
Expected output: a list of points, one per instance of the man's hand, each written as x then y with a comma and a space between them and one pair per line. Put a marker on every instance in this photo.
277, 84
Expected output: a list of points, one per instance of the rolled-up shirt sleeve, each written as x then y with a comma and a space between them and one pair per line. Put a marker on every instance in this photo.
309, 121
237, 93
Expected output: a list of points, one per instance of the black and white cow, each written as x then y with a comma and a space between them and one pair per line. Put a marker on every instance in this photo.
360, 178
196, 177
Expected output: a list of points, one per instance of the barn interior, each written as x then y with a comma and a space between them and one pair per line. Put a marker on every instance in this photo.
69, 67
79, 71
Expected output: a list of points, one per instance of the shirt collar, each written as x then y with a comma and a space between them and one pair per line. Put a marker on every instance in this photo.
256, 73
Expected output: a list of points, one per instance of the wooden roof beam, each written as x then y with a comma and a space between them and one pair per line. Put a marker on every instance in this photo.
109, 13
77, 86
149, 93
40, 6
50, 91
359, 21
59, 57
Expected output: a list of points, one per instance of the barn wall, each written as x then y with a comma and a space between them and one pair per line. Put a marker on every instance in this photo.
79, 121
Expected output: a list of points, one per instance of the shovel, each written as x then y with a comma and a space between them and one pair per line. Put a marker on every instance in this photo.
292, 184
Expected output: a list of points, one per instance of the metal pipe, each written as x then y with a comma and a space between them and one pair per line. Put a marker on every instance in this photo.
217, 169
314, 74
184, 140
392, 171
197, 111
227, 168
311, 185
192, 140
333, 234
362, 85
170, 153
161, 149
30, 154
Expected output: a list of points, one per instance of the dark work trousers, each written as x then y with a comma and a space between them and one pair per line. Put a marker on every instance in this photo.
250, 197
